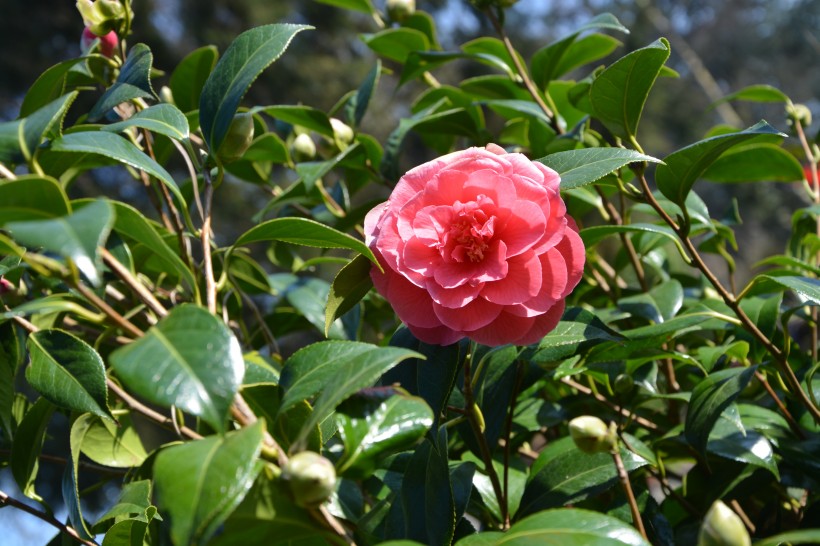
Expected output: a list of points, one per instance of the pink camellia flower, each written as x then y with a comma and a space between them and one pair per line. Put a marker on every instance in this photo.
476, 244
107, 42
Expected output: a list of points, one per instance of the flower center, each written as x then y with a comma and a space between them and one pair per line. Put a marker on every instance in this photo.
469, 234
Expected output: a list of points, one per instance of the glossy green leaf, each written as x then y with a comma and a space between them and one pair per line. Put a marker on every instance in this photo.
200, 483
133, 82
49, 86
28, 442
586, 50
358, 104
163, 119
32, 197
661, 303
110, 444
800, 536
682, 168
128, 532
756, 93
188, 78
247, 56
19, 139
117, 148
77, 236
573, 331
303, 116
335, 369
572, 527
71, 492
311, 171
397, 43
134, 499
363, 6
349, 286
755, 163
745, 446
581, 167
619, 93
308, 297
563, 474
593, 235
805, 287
68, 372
709, 399
195, 363
302, 231
376, 423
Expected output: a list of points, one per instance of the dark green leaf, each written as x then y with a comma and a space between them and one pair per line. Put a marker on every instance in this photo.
196, 364
801, 536
247, 56
28, 442
376, 423
619, 93
32, 197
572, 527
163, 119
49, 86
128, 532
336, 369
397, 43
682, 168
745, 446
189, 77
133, 82
68, 372
592, 235
565, 474
309, 297
358, 104
312, 171
363, 6
302, 231
76, 237
350, 285
117, 148
581, 167
200, 483
12, 355
709, 399
805, 287
303, 116
20, 139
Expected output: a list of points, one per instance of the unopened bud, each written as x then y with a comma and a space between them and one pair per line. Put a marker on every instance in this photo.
341, 132
303, 148
592, 435
798, 113
238, 138
400, 10
166, 95
722, 527
108, 42
102, 16
6, 286
310, 477
623, 383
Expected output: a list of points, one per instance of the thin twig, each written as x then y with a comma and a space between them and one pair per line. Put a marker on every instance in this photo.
780, 406
155, 416
210, 283
645, 423
623, 476
133, 283
82, 464
6, 500
109, 311
6, 173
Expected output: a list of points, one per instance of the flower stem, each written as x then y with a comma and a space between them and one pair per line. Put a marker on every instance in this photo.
623, 476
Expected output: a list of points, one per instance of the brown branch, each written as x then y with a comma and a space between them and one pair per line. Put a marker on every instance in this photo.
645, 423
623, 476
134, 284
6, 500
109, 311
151, 414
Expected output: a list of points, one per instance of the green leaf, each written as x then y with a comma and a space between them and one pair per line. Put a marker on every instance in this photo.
755, 163
309, 296
311, 171
245, 59
745, 446
572, 527
584, 51
563, 474
20, 139
163, 119
128, 532
709, 399
376, 423
109, 444
592, 235
135, 498
189, 77
397, 43
303, 116
132, 224
349, 286
71, 492
336, 369
28, 442
195, 364
756, 93
49, 86
302, 231
68, 372
200, 483
619, 93
119, 149
682, 168
363, 6
358, 104
133, 82
12, 356
805, 287
76, 236
581, 167
32, 197
573, 331
801, 536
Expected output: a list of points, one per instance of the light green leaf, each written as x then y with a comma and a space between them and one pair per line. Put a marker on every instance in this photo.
805, 287
76, 236
745, 446
756, 93
303, 116
195, 363
189, 77
760, 162
109, 444
200, 483
133, 82
163, 119
619, 93
247, 56
363, 6
68, 372
800, 536
682, 168
581, 167
572, 527
19, 139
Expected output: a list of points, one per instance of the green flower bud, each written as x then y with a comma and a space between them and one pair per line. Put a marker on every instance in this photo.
592, 435
102, 16
166, 95
310, 477
400, 10
722, 527
342, 132
238, 138
623, 383
303, 147
799, 112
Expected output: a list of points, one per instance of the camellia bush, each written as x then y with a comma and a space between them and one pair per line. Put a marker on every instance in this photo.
534, 337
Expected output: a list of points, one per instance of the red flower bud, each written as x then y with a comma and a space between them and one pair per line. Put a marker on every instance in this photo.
6, 286
108, 42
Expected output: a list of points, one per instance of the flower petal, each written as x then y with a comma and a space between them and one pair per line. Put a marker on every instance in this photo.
522, 282
572, 249
472, 316
543, 324
411, 303
524, 227
493, 267
436, 336
453, 297
553, 285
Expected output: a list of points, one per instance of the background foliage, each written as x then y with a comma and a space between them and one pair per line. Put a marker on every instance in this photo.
188, 328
